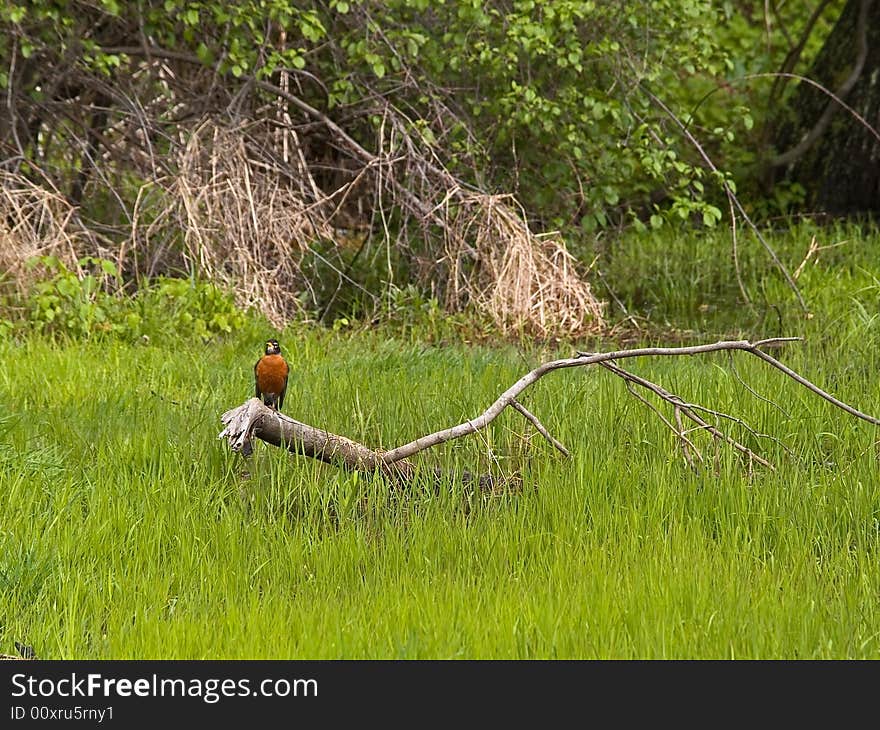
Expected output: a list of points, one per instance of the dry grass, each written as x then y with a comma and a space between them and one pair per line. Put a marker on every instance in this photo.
250, 230
526, 283
34, 222
244, 227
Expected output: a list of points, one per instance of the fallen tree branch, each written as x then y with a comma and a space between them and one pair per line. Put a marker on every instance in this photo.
253, 419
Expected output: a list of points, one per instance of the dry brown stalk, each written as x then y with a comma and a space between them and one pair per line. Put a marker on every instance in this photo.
526, 283
242, 226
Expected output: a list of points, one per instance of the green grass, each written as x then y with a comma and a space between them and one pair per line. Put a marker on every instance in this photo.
129, 531
687, 279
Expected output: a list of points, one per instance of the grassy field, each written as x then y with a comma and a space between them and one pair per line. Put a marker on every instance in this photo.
129, 531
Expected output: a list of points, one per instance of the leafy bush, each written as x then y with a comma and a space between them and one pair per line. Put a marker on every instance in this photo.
76, 304
90, 302
187, 308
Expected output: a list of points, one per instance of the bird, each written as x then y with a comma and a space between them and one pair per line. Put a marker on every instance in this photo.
270, 376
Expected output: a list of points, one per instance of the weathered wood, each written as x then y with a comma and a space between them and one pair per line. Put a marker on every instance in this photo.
257, 420
254, 419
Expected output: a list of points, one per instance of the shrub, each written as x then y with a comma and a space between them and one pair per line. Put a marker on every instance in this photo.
91, 302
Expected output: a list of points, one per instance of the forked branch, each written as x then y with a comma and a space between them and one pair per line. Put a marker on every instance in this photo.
253, 419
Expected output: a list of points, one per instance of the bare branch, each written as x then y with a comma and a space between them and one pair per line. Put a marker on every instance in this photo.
794, 55
504, 400
816, 389
816, 85
253, 419
538, 425
686, 444
686, 409
731, 196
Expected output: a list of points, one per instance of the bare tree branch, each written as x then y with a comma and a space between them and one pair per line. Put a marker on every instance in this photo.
794, 54
682, 408
538, 425
687, 446
255, 420
731, 196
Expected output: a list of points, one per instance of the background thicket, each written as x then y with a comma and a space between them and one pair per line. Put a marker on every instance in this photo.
335, 158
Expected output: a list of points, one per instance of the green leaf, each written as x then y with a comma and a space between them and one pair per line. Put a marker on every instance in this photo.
711, 215
611, 195
204, 54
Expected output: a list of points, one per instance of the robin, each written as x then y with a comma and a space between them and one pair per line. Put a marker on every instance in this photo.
270, 376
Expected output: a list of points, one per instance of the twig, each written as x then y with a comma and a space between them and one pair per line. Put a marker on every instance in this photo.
731, 196
538, 425
752, 390
814, 249
735, 247
831, 108
679, 432
682, 408
794, 55
617, 301
816, 389
686, 444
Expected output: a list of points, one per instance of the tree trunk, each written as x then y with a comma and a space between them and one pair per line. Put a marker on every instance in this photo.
821, 144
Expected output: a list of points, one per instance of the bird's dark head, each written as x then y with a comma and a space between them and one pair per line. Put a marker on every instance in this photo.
272, 347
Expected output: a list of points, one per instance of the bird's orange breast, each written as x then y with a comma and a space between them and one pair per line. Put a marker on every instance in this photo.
272, 373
